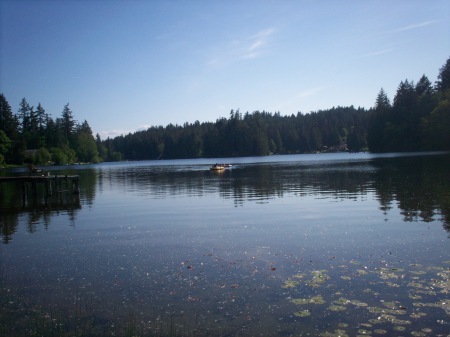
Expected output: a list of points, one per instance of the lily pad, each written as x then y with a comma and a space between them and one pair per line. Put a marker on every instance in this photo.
289, 284
337, 308
302, 313
312, 300
337, 333
380, 332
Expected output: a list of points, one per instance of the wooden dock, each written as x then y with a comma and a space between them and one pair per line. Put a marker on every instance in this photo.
69, 182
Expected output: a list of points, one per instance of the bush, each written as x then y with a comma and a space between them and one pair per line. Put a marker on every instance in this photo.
63, 155
42, 156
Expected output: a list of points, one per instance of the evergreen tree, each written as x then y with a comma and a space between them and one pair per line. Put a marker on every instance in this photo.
101, 149
379, 118
8, 121
443, 83
356, 140
24, 115
67, 123
41, 120
5, 146
424, 87
436, 128
84, 144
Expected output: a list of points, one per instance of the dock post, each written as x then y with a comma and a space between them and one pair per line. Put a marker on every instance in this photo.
24, 192
75, 186
48, 187
34, 189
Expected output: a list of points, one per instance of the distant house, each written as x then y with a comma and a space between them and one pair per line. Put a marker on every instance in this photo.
30, 154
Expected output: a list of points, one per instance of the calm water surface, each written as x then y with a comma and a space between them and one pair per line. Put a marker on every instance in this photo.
302, 245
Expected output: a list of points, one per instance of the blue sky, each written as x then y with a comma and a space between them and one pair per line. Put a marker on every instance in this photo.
127, 65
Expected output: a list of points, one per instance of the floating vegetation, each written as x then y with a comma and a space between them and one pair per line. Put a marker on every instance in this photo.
311, 300
289, 284
383, 300
337, 333
380, 332
318, 278
302, 313
334, 307
359, 303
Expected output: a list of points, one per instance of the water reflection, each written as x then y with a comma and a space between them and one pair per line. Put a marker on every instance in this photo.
418, 185
159, 249
39, 209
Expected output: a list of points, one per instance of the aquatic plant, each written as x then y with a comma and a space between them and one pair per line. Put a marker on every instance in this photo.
396, 299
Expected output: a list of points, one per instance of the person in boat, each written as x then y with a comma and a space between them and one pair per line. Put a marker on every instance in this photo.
33, 170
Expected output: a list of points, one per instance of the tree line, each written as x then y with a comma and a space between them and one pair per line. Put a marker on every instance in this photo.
418, 119
32, 135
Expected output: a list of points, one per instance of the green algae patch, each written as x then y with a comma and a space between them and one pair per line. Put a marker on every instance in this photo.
335, 307
302, 313
358, 303
290, 284
318, 278
299, 276
336, 333
391, 298
310, 300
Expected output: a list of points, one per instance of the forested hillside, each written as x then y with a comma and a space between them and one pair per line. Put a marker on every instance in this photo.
418, 119
251, 134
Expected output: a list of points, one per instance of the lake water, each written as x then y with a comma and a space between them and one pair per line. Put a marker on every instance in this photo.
298, 245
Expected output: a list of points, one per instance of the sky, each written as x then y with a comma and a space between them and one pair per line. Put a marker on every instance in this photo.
124, 66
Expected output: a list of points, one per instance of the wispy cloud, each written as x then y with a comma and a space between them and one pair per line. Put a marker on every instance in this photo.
308, 92
243, 49
254, 47
378, 52
414, 26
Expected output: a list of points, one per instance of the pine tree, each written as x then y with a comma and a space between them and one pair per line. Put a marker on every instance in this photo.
443, 83
377, 124
68, 124
8, 121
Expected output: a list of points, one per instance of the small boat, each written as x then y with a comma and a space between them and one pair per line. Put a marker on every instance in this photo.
219, 167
